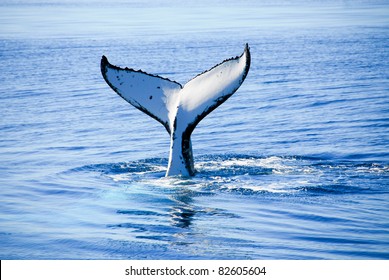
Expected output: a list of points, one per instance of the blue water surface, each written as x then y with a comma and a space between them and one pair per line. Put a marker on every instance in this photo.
295, 165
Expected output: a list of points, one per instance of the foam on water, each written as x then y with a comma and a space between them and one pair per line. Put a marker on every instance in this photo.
247, 173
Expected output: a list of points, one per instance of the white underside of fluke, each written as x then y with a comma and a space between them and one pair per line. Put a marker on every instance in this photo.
178, 108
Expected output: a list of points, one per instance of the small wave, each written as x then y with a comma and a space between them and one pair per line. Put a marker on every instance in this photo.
250, 174
250, 165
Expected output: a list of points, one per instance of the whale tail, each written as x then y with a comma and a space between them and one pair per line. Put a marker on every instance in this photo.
178, 108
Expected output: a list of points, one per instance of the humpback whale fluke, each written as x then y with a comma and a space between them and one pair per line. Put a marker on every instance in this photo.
178, 108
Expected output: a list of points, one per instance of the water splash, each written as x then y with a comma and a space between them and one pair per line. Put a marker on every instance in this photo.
249, 174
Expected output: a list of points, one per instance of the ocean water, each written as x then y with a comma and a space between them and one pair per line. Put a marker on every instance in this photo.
295, 165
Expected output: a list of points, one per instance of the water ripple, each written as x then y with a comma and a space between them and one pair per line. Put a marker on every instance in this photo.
246, 173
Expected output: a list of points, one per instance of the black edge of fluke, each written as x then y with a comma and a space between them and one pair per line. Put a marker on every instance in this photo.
105, 62
248, 60
246, 50
103, 65
104, 59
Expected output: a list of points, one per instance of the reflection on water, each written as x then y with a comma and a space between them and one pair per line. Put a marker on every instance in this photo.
183, 213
